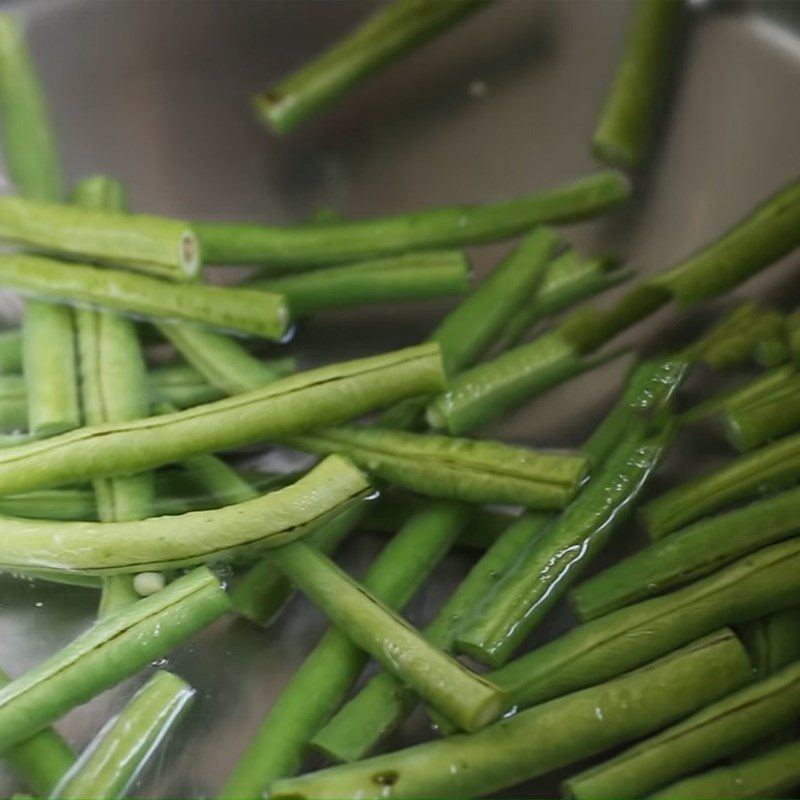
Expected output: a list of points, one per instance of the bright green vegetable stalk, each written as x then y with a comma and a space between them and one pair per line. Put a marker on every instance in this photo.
385, 36
689, 554
464, 696
773, 774
457, 469
541, 739
10, 346
722, 729
41, 760
775, 466
323, 680
110, 651
308, 400
196, 537
416, 276
232, 309
112, 761
306, 246
485, 392
627, 123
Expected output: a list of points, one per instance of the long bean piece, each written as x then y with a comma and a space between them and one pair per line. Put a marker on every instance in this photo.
464, 696
243, 310
325, 677
483, 393
416, 276
199, 536
112, 761
110, 651
722, 729
772, 774
305, 246
541, 739
689, 554
457, 469
384, 37
320, 397
627, 122
754, 586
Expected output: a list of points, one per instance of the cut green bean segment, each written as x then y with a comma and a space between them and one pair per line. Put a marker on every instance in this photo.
157, 543
690, 553
162, 247
221, 360
309, 400
627, 123
41, 760
722, 729
306, 246
772, 467
110, 651
554, 560
241, 310
772, 641
773, 774
416, 276
386, 701
541, 739
462, 695
113, 760
10, 348
322, 682
384, 37
757, 585
457, 469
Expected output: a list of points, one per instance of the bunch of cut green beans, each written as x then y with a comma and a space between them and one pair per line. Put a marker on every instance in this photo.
135, 393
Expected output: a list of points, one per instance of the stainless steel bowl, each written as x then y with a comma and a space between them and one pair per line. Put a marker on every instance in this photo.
156, 93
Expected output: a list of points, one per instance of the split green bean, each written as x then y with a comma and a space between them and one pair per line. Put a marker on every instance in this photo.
110, 651
306, 246
324, 396
111, 762
541, 739
242, 310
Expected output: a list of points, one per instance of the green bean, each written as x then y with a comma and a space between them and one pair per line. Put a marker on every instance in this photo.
13, 402
721, 729
10, 344
416, 276
690, 553
627, 122
169, 542
162, 247
386, 701
242, 310
112, 761
541, 739
464, 696
41, 760
772, 774
554, 560
457, 469
33, 164
772, 641
756, 585
305, 246
773, 466
323, 396
386, 36
111, 650
325, 677
63, 504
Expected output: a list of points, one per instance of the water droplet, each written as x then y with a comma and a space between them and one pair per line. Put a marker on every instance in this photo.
478, 89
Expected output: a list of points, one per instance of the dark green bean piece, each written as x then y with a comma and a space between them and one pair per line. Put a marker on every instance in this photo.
772, 641
384, 37
689, 554
721, 729
110, 651
10, 348
305, 246
626, 126
541, 739
324, 396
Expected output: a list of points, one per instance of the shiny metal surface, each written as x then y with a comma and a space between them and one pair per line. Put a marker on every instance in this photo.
156, 93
